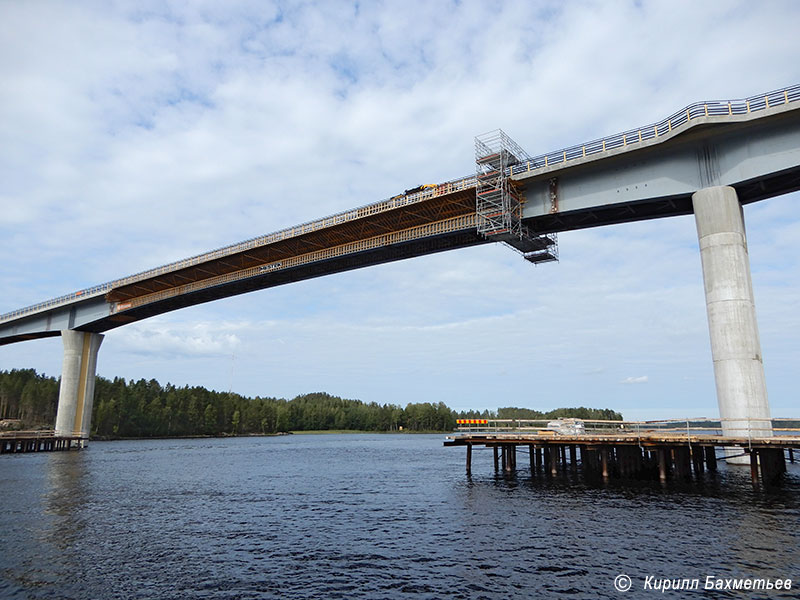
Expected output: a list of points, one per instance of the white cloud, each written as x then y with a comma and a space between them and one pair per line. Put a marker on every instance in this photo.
159, 338
640, 379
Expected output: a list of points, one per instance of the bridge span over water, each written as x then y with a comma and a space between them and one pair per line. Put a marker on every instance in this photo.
709, 159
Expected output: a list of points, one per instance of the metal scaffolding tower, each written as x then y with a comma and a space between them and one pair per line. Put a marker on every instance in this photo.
499, 202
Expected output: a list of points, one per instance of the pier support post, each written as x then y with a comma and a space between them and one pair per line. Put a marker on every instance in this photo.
772, 464
469, 459
711, 459
494, 451
735, 345
532, 458
754, 466
604, 461
553, 451
76, 395
683, 468
587, 460
513, 449
662, 464
698, 455
509, 459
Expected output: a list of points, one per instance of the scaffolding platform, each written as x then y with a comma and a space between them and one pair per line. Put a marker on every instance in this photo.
498, 201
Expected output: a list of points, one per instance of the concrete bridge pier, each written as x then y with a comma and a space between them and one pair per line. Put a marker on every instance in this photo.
735, 344
76, 395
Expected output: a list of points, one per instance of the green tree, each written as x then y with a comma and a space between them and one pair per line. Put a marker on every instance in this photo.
235, 421
282, 419
210, 419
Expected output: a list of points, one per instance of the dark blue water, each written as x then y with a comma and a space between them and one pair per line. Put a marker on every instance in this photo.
368, 516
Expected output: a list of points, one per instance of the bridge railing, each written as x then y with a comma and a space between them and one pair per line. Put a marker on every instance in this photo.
97, 290
716, 108
398, 201
460, 223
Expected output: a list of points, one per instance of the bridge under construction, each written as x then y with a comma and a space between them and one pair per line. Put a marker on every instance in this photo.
709, 159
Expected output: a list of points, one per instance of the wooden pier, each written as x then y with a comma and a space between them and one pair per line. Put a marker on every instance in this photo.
17, 442
630, 453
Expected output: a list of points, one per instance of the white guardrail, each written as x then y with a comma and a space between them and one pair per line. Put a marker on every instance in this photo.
718, 108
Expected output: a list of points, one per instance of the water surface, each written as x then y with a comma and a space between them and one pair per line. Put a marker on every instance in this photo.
367, 516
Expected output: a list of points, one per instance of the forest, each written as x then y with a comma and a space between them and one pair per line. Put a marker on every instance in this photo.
124, 409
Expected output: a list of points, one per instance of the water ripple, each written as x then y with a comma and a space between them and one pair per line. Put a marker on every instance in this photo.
365, 516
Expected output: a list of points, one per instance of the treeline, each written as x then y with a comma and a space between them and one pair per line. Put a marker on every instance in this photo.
148, 409
512, 412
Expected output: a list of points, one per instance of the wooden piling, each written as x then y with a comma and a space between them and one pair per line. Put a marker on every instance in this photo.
754, 467
662, 464
494, 449
469, 459
573, 457
698, 454
711, 459
588, 461
772, 464
681, 459
621, 462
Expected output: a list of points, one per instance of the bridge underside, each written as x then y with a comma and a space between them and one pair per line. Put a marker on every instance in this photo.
347, 262
435, 209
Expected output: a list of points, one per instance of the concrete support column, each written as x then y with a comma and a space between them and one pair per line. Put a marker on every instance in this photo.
735, 345
76, 395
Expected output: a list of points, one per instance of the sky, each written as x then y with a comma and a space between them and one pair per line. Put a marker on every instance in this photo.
136, 133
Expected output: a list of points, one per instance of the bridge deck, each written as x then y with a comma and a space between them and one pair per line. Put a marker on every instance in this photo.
436, 208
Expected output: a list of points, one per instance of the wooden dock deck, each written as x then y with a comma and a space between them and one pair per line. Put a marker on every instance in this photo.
620, 450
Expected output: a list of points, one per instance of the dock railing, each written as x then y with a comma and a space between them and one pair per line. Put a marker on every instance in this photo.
689, 427
43, 434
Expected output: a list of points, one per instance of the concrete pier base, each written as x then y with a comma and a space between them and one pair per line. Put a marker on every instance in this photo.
735, 344
76, 395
